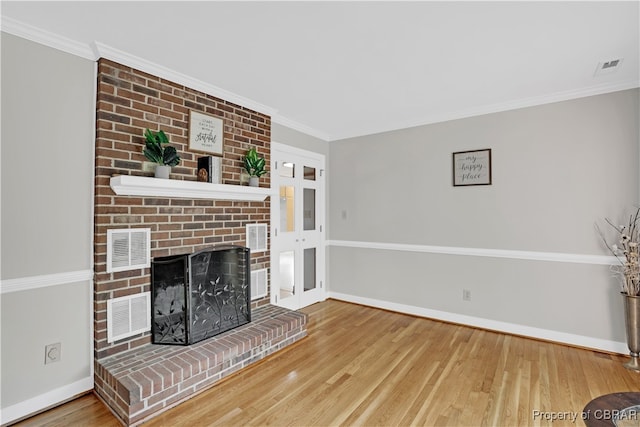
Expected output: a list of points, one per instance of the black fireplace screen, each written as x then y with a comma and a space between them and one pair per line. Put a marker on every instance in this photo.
199, 295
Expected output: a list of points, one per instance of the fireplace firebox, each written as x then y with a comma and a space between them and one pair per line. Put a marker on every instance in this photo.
200, 295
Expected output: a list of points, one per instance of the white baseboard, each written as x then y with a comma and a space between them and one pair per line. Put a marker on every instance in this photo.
36, 404
478, 322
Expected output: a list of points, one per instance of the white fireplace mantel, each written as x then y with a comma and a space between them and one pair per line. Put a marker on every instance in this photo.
129, 185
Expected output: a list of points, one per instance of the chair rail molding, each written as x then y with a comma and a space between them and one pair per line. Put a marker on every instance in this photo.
481, 252
43, 281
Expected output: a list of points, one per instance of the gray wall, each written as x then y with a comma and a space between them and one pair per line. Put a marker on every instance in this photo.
285, 135
47, 171
47, 159
557, 169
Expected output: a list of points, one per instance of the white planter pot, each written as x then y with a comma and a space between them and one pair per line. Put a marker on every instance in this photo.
163, 171
254, 181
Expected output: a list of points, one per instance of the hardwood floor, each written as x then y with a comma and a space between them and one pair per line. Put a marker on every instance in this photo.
369, 367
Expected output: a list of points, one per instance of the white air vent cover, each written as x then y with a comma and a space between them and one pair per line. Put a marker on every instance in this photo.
258, 283
257, 237
128, 249
127, 316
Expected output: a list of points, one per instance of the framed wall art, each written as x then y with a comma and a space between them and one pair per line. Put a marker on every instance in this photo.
206, 133
472, 167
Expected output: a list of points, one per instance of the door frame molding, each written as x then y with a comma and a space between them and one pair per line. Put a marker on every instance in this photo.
322, 244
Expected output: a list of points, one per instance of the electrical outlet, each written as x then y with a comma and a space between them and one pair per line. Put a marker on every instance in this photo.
466, 295
52, 353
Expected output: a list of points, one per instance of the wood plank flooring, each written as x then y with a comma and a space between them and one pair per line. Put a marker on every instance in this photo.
367, 367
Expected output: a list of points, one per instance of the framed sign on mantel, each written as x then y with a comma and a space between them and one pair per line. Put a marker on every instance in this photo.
472, 167
206, 133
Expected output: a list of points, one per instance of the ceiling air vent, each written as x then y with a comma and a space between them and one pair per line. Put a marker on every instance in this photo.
128, 249
608, 67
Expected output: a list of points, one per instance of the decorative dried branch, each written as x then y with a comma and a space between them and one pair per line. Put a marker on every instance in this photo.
627, 252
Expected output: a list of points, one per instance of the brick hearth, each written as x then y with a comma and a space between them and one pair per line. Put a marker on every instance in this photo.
143, 382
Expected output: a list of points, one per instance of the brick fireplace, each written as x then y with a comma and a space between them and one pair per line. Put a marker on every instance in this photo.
128, 102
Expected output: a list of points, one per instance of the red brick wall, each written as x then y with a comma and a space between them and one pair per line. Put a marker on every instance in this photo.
128, 102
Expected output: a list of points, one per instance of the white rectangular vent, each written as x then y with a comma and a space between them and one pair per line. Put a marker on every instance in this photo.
258, 284
127, 316
257, 237
128, 249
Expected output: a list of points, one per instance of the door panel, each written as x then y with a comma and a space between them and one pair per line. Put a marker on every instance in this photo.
287, 274
310, 278
309, 208
287, 207
297, 239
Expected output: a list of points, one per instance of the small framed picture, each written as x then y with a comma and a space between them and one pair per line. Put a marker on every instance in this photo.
206, 133
472, 167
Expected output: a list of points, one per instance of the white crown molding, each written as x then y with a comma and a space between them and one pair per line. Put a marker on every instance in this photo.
56, 41
277, 118
498, 108
97, 50
482, 252
36, 282
44, 401
103, 51
301, 152
493, 325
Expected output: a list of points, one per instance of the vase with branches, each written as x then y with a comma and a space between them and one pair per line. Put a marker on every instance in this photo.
626, 251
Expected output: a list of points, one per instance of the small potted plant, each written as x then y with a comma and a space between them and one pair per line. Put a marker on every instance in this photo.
255, 166
157, 150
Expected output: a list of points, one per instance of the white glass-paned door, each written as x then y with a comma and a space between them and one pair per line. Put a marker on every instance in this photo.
297, 249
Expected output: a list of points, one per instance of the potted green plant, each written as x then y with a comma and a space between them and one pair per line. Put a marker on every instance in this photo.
255, 166
157, 150
626, 250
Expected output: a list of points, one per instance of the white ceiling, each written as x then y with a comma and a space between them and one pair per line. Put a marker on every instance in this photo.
342, 69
